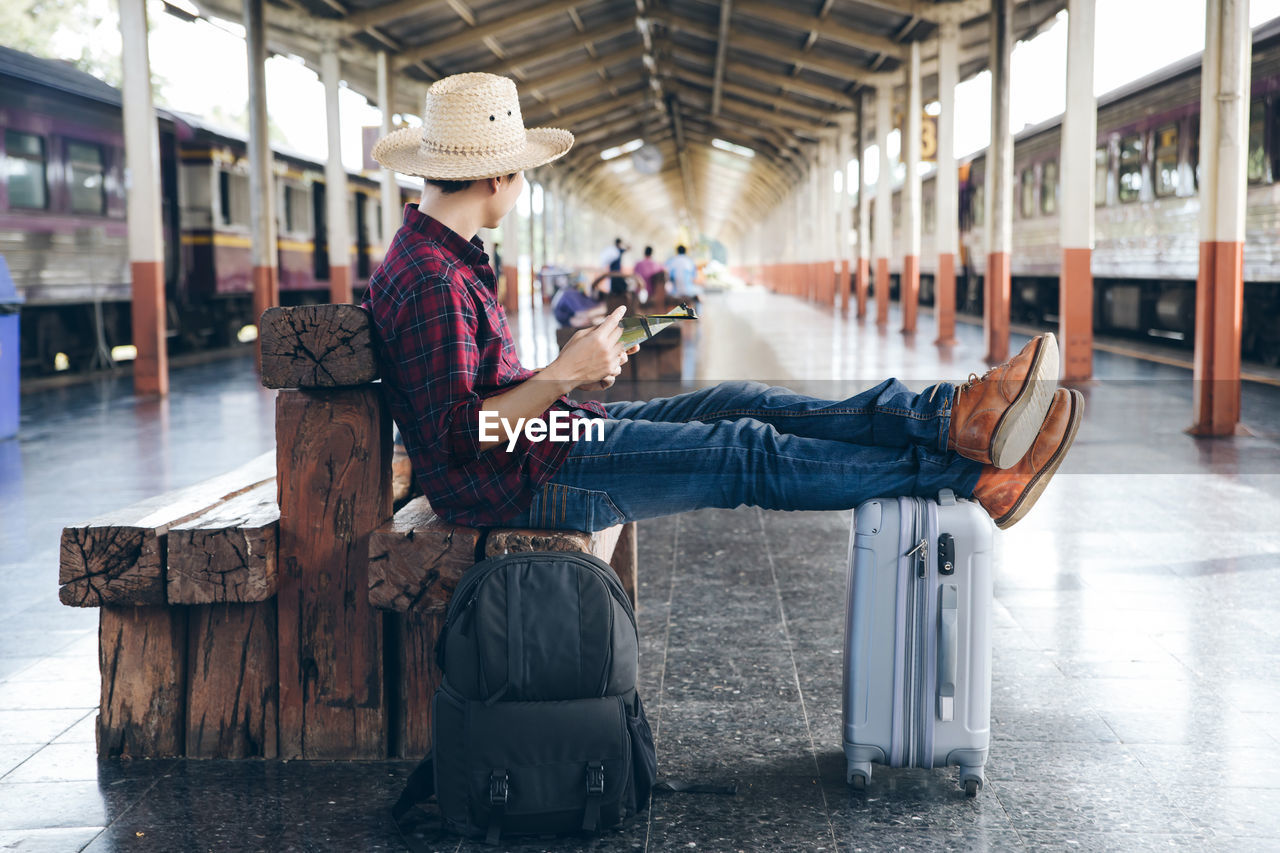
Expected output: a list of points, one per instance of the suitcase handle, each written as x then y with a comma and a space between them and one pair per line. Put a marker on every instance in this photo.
947, 653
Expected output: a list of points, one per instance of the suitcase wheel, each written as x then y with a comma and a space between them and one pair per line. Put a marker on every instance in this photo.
859, 775
972, 787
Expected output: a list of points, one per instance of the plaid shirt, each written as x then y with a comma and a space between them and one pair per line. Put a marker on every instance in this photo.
444, 345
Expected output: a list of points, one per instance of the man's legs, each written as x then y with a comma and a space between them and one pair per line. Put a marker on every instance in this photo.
644, 469
888, 415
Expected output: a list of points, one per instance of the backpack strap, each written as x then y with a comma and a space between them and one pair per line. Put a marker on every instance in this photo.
499, 791
595, 792
420, 787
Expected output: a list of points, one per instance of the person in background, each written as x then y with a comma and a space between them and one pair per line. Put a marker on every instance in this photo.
683, 271
497, 262
645, 268
611, 259
573, 308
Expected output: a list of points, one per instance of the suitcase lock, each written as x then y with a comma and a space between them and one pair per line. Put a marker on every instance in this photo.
946, 554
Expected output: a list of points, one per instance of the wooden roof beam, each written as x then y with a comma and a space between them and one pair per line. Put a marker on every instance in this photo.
773, 50
775, 101
476, 34
827, 29
793, 84
561, 48
722, 48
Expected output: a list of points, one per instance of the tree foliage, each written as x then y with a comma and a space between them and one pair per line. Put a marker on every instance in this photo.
83, 32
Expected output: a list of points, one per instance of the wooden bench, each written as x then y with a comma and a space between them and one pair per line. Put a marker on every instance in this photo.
282, 610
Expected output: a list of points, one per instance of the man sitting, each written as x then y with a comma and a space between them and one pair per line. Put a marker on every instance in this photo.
451, 366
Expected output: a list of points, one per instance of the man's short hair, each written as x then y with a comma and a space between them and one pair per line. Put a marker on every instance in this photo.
680, 250
451, 187
648, 250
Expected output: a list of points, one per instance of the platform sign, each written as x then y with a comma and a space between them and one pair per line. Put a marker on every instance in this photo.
928, 134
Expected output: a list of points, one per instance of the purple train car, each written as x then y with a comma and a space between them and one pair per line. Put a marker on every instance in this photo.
64, 235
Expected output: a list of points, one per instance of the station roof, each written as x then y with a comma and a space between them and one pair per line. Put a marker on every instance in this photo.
771, 76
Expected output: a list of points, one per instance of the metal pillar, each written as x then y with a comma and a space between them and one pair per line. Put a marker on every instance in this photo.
1224, 134
392, 215
947, 185
884, 203
1079, 139
262, 209
844, 200
338, 233
999, 188
909, 289
864, 211
146, 241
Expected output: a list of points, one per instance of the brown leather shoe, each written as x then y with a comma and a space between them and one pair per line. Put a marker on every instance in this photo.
1007, 494
995, 419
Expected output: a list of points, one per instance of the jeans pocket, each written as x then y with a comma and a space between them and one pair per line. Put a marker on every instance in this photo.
557, 506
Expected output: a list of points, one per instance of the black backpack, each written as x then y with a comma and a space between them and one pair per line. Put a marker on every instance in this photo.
537, 727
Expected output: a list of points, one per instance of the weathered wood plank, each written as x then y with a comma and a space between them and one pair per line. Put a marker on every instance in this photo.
415, 680
227, 554
142, 660
119, 558
334, 459
417, 558
232, 690
317, 346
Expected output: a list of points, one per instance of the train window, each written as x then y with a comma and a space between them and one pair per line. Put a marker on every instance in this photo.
224, 195
1130, 186
26, 166
1049, 188
1101, 168
1257, 142
87, 192
1027, 193
1167, 160
297, 210
233, 197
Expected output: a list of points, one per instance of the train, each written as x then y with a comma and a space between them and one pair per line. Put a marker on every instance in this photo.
1146, 220
64, 236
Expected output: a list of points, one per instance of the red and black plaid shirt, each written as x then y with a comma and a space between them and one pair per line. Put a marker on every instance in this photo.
444, 343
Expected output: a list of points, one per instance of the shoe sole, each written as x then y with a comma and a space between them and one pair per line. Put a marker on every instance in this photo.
1020, 424
1041, 479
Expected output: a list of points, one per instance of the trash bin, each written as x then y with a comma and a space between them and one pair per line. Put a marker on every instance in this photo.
9, 353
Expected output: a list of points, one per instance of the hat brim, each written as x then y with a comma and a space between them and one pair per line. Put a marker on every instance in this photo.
401, 151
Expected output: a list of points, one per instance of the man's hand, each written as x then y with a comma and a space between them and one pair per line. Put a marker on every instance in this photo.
592, 358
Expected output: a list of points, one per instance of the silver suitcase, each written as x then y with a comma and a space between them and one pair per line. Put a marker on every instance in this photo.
917, 675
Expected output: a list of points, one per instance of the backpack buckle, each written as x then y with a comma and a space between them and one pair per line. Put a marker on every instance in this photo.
595, 779
498, 788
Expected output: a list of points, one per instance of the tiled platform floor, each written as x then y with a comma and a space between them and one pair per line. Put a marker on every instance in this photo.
1136, 698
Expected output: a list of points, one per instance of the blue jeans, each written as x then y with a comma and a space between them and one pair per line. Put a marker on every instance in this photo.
749, 443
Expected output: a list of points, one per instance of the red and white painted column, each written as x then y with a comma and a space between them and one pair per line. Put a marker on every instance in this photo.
392, 213
884, 202
1079, 141
863, 274
909, 284
142, 185
844, 200
337, 232
262, 185
947, 184
1224, 132
999, 189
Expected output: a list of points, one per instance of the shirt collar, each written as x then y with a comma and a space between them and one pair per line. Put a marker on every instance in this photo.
470, 252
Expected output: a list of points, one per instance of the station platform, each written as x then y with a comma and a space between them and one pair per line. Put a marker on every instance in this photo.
1135, 698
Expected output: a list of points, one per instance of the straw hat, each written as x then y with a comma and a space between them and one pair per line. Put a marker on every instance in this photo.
471, 129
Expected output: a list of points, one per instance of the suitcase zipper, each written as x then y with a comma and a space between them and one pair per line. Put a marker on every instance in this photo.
914, 700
